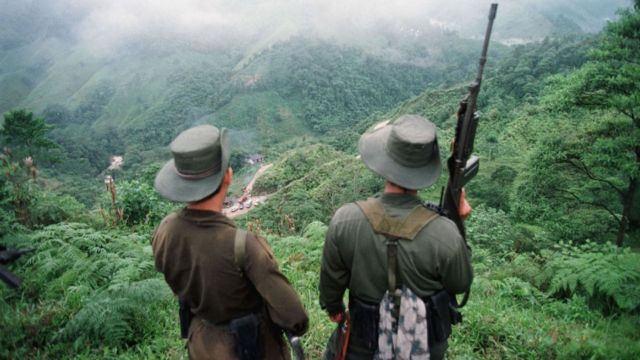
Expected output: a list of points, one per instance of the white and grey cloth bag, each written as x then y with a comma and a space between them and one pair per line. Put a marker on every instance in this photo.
402, 330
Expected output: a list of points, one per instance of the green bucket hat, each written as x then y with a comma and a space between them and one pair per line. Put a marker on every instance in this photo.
200, 158
404, 151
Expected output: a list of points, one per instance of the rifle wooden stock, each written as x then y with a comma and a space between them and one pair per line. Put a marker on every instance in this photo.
344, 333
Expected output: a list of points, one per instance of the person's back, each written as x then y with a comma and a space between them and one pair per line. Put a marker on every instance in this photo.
424, 262
227, 279
430, 254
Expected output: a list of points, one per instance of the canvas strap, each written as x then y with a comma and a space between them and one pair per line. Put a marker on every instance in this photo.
239, 246
406, 227
392, 279
392, 264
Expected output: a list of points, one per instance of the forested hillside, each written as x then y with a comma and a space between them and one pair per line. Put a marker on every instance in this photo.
555, 230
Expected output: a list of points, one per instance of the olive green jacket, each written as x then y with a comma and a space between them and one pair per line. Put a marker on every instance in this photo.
355, 257
194, 250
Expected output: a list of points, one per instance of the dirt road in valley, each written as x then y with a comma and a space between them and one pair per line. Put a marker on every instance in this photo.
259, 173
247, 193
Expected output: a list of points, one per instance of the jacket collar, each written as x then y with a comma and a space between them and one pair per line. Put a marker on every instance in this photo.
205, 218
400, 200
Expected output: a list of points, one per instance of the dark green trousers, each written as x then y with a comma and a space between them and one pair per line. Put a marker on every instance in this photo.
359, 351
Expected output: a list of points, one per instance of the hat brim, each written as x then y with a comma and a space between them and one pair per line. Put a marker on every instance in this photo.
176, 188
375, 157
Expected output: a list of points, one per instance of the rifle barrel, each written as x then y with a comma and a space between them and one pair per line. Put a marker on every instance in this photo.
474, 90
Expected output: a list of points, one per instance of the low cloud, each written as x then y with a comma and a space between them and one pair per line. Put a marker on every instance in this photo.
119, 22
114, 23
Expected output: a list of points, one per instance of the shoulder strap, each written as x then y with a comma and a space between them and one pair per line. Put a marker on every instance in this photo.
392, 281
404, 228
392, 264
239, 247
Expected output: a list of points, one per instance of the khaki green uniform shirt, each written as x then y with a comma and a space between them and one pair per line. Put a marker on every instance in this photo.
355, 257
194, 251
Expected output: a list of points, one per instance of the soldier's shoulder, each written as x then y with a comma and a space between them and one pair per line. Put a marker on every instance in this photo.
348, 212
255, 243
443, 229
170, 217
167, 221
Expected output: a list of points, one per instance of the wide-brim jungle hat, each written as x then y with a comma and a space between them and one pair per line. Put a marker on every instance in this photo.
200, 159
404, 151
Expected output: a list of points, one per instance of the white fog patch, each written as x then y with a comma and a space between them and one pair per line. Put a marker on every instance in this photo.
103, 26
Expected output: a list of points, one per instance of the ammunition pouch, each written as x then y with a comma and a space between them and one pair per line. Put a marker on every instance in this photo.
442, 313
365, 318
246, 331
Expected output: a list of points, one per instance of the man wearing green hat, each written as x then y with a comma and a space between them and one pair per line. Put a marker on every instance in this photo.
391, 246
226, 278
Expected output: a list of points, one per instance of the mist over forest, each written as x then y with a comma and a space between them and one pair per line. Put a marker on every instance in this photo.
108, 27
120, 61
94, 91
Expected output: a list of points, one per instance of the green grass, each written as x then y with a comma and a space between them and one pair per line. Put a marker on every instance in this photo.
93, 294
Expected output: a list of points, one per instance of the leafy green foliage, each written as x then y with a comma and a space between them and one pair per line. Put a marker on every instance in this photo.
312, 188
115, 316
299, 259
29, 201
519, 76
586, 165
608, 276
140, 203
83, 288
18, 182
614, 74
49, 208
500, 239
335, 95
27, 135
494, 190
294, 165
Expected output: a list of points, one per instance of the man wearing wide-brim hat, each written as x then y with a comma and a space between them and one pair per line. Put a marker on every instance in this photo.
226, 279
391, 244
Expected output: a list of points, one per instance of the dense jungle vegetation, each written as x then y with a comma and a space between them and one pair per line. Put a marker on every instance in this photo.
555, 230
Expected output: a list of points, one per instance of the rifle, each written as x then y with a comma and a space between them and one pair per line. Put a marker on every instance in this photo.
6, 256
344, 333
9, 278
462, 166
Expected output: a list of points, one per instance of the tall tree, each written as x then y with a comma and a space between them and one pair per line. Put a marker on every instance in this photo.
595, 161
613, 81
26, 135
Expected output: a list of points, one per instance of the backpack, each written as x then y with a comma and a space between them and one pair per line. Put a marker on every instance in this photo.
402, 328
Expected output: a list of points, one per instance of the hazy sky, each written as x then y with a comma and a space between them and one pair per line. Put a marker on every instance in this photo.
116, 20
109, 23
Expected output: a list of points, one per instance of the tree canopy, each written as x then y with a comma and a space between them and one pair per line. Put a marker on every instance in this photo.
27, 135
